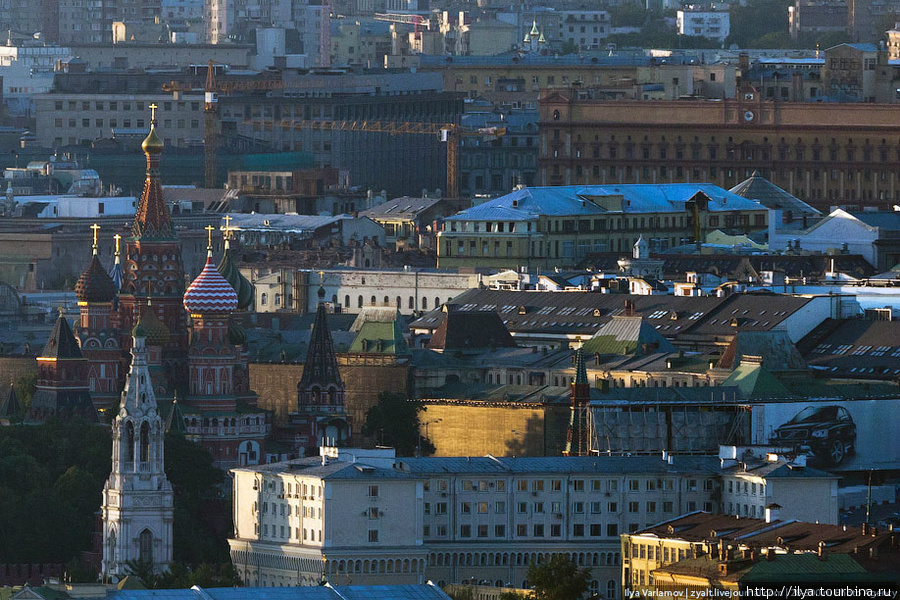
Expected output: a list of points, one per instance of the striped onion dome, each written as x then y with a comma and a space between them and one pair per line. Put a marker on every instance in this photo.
210, 292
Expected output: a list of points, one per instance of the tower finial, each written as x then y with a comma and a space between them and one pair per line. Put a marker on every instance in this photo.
153, 108
117, 237
227, 233
96, 228
209, 230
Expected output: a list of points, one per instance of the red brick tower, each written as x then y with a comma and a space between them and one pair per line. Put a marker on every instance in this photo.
154, 268
97, 331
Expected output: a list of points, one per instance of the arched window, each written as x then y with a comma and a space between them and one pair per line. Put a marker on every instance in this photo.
263, 299
437, 302
359, 302
129, 441
387, 301
145, 442
145, 542
373, 301
412, 303
399, 305
424, 303
347, 301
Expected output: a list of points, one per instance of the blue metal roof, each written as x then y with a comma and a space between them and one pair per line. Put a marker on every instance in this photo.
528, 203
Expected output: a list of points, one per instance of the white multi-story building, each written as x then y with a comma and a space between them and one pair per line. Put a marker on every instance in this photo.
28, 70
353, 517
800, 492
705, 22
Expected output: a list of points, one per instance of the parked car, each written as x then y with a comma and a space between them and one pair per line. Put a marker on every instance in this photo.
827, 431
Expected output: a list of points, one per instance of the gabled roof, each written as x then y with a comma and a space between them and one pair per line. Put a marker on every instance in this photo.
62, 344
758, 188
469, 330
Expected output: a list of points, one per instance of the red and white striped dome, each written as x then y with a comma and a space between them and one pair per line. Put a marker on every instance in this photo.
210, 292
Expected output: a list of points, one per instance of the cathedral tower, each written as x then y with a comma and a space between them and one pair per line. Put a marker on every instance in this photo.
321, 417
62, 380
211, 300
154, 268
137, 499
97, 331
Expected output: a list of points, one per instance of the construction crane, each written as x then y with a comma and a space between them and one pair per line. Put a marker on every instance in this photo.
449, 133
211, 92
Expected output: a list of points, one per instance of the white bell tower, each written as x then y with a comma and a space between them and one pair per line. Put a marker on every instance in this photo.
137, 498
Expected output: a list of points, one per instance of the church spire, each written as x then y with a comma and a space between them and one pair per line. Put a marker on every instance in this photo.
152, 219
578, 433
321, 366
138, 504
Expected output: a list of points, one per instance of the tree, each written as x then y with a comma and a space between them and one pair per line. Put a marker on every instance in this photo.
559, 579
394, 421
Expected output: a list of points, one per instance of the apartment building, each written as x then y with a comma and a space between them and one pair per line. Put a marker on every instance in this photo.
367, 517
555, 226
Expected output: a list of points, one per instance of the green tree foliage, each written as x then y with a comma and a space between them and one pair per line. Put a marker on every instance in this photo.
394, 421
558, 579
751, 22
51, 481
25, 387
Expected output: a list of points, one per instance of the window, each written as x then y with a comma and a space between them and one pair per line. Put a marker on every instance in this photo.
522, 508
595, 508
373, 491
465, 507
612, 530
596, 530
465, 531
373, 535
634, 485
578, 530
539, 530
500, 507
612, 507
499, 531
634, 507
578, 485
482, 508
482, 531
555, 485
521, 530
440, 508
578, 507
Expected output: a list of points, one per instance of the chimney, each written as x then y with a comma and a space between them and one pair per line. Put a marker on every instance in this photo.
772, 512
629, 308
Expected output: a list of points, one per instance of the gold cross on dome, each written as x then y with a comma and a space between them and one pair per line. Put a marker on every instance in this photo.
95, 227
228, 219
117, 237
153, 108
209, 230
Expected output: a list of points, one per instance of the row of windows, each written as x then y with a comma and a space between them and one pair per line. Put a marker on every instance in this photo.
72, 105
126, 123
